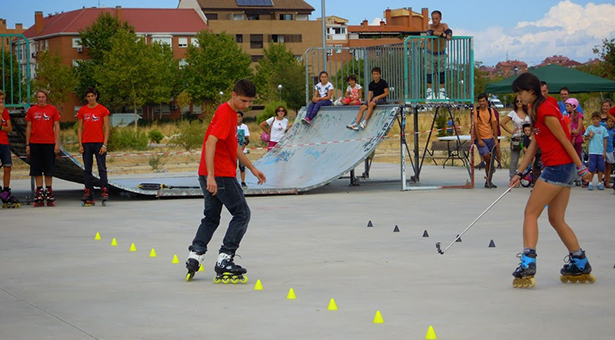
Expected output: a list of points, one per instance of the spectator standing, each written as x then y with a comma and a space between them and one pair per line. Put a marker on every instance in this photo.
597, 135
609, 160
243, 139
436, 54
485, 134
276, 126
519, 117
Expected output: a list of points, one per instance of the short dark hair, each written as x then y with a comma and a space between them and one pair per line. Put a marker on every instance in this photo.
91, 90
564, 88
245, 87
607, 100
377, 69
283, 109
596, 114
543, 83
527, 125
241, 113
481, 96
323, 72
436, 12
352, 76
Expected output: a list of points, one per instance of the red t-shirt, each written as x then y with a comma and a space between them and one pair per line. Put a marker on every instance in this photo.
223, 126
553, 152
4, 136
93, 123
43, 119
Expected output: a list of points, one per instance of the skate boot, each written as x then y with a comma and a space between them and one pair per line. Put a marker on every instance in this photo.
577, 269
227, 271
88, 199
193, 263
8, 200
49, 197
39, 198
104, 195
524, 274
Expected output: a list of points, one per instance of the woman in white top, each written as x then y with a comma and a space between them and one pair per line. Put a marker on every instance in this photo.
276, 126
519, 117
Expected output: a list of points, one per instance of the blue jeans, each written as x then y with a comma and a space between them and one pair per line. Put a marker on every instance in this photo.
313, 108
230, 195
562, 175
91, 150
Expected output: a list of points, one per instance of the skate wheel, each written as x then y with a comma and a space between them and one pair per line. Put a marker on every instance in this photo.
189, 276
591, 278
234, 280
226, 280
216, 280
532, 283
244, 279
582, 280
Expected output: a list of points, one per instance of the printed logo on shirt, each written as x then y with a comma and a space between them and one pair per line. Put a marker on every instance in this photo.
94, 118
536, 131
46, 117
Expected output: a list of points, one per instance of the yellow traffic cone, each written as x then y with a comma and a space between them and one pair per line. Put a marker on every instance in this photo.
97, 237
431, 334
132, 247
113, 242
291, 295
258, 285
378, 317
152, 253
332, 305
175, 259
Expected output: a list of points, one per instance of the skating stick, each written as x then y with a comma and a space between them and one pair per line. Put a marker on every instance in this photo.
470, 226
157, 186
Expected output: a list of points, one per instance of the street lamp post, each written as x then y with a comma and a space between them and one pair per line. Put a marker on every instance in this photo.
280, 90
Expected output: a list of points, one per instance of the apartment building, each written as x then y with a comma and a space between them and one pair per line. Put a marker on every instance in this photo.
257, 23
396, 26
5, 43
59, 32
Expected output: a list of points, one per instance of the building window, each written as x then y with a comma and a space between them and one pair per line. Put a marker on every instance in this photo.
239, 38
162, 40
76, 42
256, 58
286, 17
276, 38
253, 16
238, 16
164, 109
293, 38
256, 41
182, 42
302, 17
211, 16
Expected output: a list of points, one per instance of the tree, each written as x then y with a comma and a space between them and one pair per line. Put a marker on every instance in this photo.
163, 74
96, 39
55, 77
280, 67
480, 78
214, 66
607, 57
12, 79
125, 76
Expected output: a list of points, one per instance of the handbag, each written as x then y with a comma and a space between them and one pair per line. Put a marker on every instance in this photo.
516, 142
265, 137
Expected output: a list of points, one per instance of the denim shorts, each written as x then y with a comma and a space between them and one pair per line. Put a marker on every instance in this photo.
5, 155
562, 175
488, 145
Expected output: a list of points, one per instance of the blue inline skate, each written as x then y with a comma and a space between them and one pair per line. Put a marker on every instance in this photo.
524, 274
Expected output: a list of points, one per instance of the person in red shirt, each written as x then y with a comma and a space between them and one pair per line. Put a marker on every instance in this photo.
42, 145
218, 180
93, 132
553, 187
8, 200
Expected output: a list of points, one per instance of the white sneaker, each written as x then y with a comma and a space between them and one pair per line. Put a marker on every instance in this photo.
363, 124
351, 126
429, 94
442, 94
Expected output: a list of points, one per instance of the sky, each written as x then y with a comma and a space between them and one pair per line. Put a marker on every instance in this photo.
526, 30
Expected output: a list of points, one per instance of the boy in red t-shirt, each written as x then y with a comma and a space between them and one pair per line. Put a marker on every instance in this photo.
93, 134
42, 145
218, 180
8, 200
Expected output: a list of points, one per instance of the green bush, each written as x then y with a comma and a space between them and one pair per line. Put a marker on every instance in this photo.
155, 136
127, 139
157, 162
191, 136
269, 111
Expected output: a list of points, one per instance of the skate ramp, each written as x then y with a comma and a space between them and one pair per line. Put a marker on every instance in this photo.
311, 156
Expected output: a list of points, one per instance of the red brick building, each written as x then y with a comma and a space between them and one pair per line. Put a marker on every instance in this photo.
510, 68
559, 60
397, 24
60, 33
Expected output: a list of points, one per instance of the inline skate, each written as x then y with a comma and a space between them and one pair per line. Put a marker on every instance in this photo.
577, 269
227, 271
39, 198
49, 197
104, 196
8, 200
524, 274
88, 199
193, 263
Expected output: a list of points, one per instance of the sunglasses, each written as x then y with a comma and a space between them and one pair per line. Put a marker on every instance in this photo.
518, 101
281, 110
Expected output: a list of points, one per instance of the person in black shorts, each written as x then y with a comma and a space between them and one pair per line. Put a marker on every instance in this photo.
378, 93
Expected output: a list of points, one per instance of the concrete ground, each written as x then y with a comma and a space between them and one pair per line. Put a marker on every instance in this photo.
57, 282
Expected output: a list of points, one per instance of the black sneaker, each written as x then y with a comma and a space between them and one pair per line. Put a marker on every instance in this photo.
490, 185
244, 185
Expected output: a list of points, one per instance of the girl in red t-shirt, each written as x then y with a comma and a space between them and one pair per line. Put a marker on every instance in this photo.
553, 187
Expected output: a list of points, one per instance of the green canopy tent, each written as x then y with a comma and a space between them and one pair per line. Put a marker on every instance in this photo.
557, 77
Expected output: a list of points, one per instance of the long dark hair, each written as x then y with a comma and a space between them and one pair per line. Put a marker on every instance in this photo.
529, 82
523, 106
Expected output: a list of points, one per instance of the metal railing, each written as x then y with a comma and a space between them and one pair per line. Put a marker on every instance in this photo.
15, 55
433, 61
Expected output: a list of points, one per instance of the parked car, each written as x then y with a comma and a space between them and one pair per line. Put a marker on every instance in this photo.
495, 102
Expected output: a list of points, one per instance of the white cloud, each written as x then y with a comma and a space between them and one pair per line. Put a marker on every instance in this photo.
567, 28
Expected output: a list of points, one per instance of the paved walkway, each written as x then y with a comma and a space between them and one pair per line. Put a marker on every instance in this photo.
57, 282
